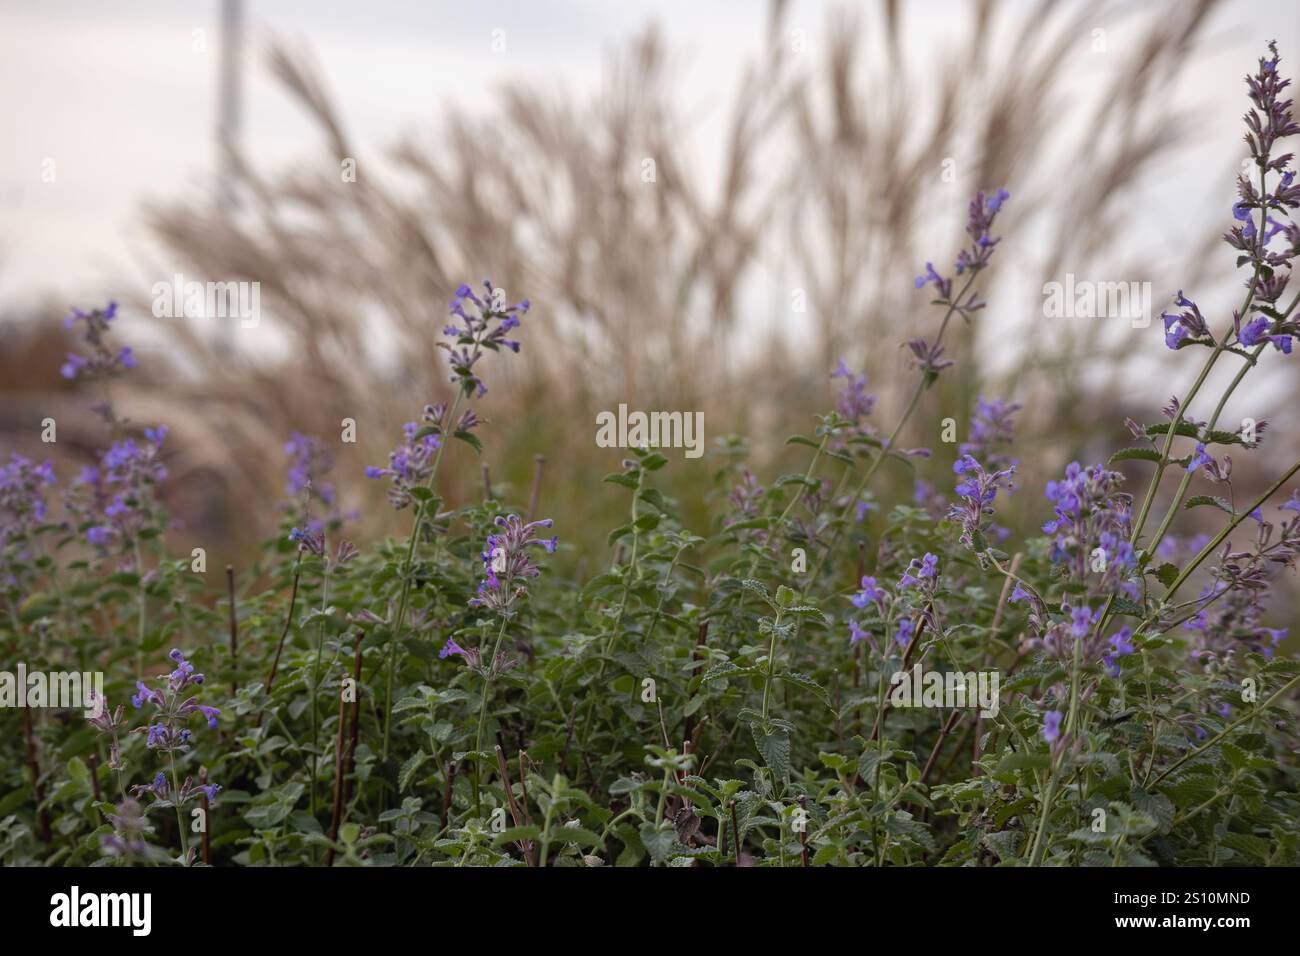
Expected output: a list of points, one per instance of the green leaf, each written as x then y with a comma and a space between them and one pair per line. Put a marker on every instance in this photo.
723, 669
1024, 761
516, 835
407, 773
1184, 430
578, 835
1127, 607
750, 524
901, 824
775, 748
1135, 454
469, 439
1166, 574
658, 841
1248, 845
804, 680
80, 773
1197, 501
1005, 844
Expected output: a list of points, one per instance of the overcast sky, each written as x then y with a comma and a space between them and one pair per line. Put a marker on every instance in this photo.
121, 95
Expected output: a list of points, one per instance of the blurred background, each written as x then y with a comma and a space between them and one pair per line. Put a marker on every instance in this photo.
805, 160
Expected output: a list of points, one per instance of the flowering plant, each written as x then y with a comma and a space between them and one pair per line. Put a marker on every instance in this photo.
719, 687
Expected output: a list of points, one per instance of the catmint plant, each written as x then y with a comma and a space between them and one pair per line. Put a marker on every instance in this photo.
170, 709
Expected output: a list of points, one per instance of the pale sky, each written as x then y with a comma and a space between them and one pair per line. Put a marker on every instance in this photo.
121, 96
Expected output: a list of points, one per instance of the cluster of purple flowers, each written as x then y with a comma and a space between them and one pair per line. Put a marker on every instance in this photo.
102, 359
508, 562
991, 432
310, 462
853, 403
1092, 521
1268, 121
970, 261
23, 506
1121, 645
116, 497
979, 224
1186, 327
977, 489
161, 790
1231, 607
869, 595
485, 327
409, 464
168, 730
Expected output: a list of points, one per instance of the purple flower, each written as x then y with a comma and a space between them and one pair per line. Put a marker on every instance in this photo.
1253, 331
870, 593
1121, 642
991, 430
944, 286
1081, 620
977, 489
409, 464
853, 402
102, 360
979, 223
1200, 458
906, 631
856, 633
450, 648
1052, 726
23, 506
484, 327
309, 463
918, 572
508, 563
1091, 512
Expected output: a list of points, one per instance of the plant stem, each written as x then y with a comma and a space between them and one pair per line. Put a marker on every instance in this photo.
176, 802
482, 712
921, 387
395, 643
315, 682
1250, 715
139, 570
771, 661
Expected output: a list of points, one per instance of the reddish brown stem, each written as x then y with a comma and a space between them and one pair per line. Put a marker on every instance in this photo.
234, 630
34, 764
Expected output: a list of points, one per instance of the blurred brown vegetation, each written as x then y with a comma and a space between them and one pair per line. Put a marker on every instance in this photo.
673, 294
